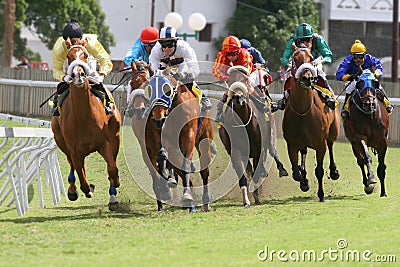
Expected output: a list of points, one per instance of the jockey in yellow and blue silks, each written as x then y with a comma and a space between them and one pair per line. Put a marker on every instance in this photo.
73, 30
305, 35
140, 51
177, 53
352, 67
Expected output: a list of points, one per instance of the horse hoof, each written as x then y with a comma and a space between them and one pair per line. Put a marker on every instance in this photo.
257, 202
92, 187
89, 195
304, 186
246, 205
283, 172
368, 189
172, 183
72, 196
334, 175
113, 206
205, 208
187, 200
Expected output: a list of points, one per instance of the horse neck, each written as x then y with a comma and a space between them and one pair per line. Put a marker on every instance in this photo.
301, 98
243, 112
82, 100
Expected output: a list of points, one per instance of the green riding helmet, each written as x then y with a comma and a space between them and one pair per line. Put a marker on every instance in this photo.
304, 30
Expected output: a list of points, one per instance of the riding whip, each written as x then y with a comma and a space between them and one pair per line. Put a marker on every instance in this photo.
64, 86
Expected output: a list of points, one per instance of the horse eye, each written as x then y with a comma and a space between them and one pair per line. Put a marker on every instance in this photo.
167, 89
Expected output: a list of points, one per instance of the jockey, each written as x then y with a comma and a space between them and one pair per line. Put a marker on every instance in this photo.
254, 52
177, 53
232, 54
73, 30
321, 52
140, 51
352, 66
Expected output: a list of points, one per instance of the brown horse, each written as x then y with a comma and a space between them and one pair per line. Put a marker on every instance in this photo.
308, 122
83, 126
368, 127
241, 120
185, 126
148, 135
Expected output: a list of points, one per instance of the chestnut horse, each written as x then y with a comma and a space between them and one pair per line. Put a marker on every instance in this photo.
148, 135
368, 126
308, 123
83, 126
241, 120
185, 126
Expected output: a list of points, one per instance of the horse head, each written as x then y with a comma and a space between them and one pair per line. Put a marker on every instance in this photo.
366, 90
140, 79
160, 93
302, 68
77, 58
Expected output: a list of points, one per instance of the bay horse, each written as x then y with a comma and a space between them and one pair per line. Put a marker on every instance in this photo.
83, 126
260, 79
184, 126
242, 134
148, 135
308, 123
368, 126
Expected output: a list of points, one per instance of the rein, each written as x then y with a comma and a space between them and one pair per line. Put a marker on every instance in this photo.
237, 123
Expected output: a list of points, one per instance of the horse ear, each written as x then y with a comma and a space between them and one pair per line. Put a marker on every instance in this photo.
85, 42
133, 66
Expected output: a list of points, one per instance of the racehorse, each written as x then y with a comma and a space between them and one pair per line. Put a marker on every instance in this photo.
185, 126
308, 123
368, 127
242, 120
83, 126
148, 135
261, 79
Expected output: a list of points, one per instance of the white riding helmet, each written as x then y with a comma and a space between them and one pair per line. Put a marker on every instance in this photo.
168, 33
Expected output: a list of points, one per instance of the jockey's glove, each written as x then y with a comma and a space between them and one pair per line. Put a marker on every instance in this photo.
184, 77
318, 61
377, 75
349, 78
67, 78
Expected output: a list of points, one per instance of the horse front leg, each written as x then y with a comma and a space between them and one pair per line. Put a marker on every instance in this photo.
319, 171
304, 186
187, 198
79, 166
272, 147
333, 171
109, 154
237, 164
204, 150
382, 167
370, 174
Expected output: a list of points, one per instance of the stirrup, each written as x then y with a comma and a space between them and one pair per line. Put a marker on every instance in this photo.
330, 102
389, 108
274, 107
206, 103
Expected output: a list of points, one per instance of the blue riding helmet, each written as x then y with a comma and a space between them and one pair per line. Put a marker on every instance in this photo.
160, 91
245, 43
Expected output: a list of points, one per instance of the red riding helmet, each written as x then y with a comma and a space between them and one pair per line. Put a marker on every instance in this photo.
231, 44
149, 35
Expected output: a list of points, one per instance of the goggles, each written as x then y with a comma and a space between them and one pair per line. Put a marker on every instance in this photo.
150, 44
234, 53
168, 44
302, 40
357, 56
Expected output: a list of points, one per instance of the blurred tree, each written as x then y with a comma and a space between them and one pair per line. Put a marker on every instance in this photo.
47, 18
268, 25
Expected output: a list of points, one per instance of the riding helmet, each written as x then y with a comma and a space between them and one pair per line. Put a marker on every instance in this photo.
358, 48
231, 44
149, 35
72, 30
245, 43
304, 30
168, 33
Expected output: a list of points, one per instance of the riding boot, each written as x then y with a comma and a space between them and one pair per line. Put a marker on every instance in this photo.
220, 106
54, 110
383, 97
345, 109
109, 104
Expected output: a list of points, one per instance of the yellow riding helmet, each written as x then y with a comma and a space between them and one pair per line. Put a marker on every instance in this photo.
358, 48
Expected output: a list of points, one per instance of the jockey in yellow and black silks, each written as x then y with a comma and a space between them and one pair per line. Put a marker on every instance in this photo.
73, 30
